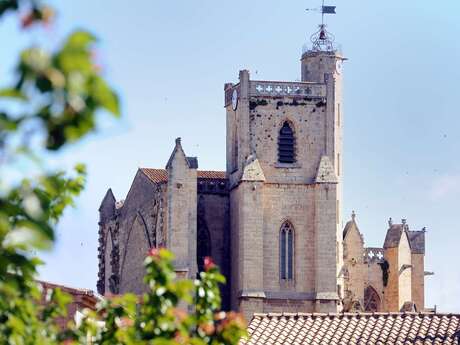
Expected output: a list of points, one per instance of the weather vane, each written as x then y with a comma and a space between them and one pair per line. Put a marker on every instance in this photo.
322, 39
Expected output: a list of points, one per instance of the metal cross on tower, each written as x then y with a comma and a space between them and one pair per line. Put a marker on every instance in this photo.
322, 39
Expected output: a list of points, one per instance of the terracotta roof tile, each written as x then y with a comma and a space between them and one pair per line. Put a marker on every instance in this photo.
161, 175
70, 290
360, 328
156, 175
209, 174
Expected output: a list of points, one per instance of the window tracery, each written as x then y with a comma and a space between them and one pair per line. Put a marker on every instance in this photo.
371, 300
287, 251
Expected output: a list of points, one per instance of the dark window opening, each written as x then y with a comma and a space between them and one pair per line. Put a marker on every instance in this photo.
287, 252
203, 245
286, 144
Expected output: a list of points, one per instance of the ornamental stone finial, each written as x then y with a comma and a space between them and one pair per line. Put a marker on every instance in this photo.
353, 215
405, 225
178, 140
390, 222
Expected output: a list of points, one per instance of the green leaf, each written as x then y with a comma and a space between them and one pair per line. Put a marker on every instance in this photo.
12, 93
80, 168
74, 61
106, 98
79, 40
8, 124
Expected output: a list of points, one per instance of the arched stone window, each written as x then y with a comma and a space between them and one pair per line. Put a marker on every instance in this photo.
371, 300
286, 144
203, 236
204, 246
287, 251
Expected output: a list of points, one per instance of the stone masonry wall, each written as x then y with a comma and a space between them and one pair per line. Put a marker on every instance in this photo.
247, 246
418, 281
235, 261
182, 211
133, 256
405, 271
138, 229
307, 119
392, 289
293, 203
355, 266
328, 257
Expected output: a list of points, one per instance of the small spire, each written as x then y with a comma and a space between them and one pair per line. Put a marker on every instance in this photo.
390, 222
353, 215
404, 224
178, 141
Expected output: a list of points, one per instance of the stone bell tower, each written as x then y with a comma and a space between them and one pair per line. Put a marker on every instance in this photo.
284, 153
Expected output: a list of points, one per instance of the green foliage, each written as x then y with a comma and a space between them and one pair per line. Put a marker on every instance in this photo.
172, 312
28, 214
58, 96
47, 87
67, 87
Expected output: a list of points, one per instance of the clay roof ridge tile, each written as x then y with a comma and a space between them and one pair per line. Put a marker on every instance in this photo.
380, 313
300, 314
275, 314
260, 314
349, 314
366, 314
289, 314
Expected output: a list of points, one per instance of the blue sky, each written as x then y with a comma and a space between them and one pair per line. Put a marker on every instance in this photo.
169, 61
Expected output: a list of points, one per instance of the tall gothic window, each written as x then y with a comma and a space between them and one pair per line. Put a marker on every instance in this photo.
203, 245
203, 237
286, 144
371, 300
287, 251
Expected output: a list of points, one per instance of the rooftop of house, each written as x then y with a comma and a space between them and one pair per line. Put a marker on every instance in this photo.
161, 175
354, 328
70, 290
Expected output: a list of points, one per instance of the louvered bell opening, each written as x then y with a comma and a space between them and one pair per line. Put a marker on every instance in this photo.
286, 144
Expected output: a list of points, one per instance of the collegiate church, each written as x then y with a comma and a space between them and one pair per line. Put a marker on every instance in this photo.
272, 220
